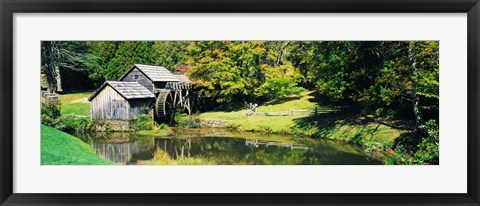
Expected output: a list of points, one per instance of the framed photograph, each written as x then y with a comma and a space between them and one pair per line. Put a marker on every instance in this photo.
255, 103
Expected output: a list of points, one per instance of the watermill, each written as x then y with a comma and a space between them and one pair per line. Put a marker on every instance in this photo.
137, 89
176, 97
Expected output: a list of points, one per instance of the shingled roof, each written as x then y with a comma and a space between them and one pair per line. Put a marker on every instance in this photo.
128, 90
182, 78
154, 73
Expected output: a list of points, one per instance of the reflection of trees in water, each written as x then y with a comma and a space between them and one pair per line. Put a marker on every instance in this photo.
229, 151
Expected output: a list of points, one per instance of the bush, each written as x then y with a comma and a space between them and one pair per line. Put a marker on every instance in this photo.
70, 123
422, 150
143, 122
189, 122
428, 149
162, 126
50, 111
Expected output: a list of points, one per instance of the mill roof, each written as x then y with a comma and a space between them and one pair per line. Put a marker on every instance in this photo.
182, 78
128, 90
154, 73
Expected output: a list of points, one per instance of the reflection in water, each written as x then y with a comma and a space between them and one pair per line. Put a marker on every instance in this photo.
223, 148
257, 143
123, 153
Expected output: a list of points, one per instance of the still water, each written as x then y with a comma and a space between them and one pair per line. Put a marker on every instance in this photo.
222, 147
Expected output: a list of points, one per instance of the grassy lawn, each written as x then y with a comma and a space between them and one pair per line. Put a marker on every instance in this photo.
59, 148
76, 108
328, 124
270, 124
302, 102
75, 103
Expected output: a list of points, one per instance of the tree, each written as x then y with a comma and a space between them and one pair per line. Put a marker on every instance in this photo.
413, 72
101, 52
114, 58
170, 54
226, 71
56, 55
378, 76
242, 71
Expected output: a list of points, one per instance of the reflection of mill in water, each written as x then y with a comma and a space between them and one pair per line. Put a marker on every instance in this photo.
122, 153
178, 148
257, 143
130, 152
228, 151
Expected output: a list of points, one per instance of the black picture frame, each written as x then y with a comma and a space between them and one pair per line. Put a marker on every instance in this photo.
9, 7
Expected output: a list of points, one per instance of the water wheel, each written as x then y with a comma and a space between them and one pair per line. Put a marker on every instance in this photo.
166, 106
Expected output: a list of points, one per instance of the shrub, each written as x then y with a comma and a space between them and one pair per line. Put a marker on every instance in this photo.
143, 122
189, 122
71, 123
50, 111
423, 149
162, 126
428, 149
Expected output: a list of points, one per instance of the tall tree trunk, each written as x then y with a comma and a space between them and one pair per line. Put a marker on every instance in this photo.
414, 75
49, 59
282, 49
58, 79
50, 80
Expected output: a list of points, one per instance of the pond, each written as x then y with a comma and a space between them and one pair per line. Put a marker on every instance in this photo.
224, 147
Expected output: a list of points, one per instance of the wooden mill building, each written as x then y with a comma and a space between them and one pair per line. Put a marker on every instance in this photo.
151, 77
140, 89
120, 100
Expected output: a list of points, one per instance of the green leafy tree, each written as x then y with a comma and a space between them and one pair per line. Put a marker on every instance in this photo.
101, 52
114, 58
128, 54
170, 54
238, 71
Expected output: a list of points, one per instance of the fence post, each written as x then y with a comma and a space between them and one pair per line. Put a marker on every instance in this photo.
316, 111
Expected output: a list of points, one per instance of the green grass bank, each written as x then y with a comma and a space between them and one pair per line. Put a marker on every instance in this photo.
60, 148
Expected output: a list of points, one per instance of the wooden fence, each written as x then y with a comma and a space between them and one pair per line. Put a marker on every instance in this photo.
76, 115
290, 112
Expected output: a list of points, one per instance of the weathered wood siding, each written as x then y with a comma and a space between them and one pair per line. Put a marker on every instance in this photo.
139, 106
108, 104
142, 79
